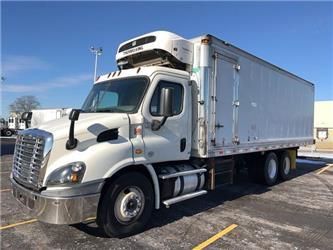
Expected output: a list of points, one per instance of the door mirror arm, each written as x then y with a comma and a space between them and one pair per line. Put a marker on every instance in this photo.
72, 141
156, 124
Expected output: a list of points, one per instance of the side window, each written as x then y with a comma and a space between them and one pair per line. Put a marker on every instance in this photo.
177, 101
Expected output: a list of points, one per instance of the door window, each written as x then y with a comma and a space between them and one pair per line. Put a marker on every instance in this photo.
155, 108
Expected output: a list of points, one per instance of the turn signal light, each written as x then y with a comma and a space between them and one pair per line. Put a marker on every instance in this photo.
74, 177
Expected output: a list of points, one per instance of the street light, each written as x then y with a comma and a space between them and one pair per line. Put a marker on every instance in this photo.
97, 52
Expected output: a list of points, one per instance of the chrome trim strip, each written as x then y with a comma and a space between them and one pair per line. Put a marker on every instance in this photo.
184, 197
183, 173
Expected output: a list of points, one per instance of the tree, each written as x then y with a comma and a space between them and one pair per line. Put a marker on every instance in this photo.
24, 104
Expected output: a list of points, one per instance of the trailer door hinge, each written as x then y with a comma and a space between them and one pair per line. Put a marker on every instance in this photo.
237, 67
236, 103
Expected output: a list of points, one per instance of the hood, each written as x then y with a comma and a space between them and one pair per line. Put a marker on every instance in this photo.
88, 125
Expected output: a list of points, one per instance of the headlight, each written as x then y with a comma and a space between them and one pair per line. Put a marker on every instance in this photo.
69, 174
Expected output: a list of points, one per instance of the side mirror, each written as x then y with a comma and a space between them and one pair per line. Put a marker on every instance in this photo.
74, 114
26, 116
166, 102
72, 141
166, 108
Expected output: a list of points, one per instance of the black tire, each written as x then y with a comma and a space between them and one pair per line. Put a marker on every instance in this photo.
284, 166
112, 217
270, 169
8, 132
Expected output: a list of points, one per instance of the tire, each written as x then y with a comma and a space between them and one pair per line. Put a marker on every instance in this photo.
126, 206
270, 169
284, 166
8, 132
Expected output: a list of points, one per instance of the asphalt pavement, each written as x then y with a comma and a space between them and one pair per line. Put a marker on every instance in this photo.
295, 214
7, 145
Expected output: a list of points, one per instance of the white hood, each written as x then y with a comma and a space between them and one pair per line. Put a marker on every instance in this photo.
88, 125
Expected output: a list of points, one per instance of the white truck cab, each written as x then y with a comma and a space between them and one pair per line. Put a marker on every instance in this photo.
152, 134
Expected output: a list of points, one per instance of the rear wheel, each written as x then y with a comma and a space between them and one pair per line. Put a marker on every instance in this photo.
284, 166
270, 169
126, 206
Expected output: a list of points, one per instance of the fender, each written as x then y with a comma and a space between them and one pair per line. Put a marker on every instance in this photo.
152, 173
154, 178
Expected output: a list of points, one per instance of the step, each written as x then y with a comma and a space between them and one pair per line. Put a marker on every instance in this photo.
184, 197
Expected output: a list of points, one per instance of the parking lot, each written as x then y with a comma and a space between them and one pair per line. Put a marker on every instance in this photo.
290, 215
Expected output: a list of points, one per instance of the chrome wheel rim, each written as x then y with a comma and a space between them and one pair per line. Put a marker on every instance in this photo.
129, 205
286, 165
272, 169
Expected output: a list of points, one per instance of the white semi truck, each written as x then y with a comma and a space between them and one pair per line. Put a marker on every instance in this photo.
174, 122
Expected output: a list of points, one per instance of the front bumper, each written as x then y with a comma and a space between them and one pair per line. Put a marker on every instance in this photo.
56, 210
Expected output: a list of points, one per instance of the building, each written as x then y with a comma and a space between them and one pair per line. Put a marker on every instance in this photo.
323, 125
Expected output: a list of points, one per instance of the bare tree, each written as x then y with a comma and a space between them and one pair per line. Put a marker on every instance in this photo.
24, 104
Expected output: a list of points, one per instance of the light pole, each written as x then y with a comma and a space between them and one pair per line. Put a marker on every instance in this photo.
97, 52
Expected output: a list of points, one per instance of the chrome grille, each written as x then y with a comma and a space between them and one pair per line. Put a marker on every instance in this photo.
31, 149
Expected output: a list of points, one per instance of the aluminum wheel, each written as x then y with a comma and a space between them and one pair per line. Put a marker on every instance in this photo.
272, 169
129, 205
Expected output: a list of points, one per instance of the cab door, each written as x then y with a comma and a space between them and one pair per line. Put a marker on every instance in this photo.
172, 141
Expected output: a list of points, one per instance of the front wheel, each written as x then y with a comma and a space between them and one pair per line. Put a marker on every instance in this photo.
126, 205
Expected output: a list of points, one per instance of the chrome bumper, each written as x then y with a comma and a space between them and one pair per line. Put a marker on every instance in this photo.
56, 210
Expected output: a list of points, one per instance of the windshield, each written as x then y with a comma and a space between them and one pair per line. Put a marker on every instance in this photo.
121, 96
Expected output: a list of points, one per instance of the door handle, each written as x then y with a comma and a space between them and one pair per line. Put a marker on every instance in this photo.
182, 144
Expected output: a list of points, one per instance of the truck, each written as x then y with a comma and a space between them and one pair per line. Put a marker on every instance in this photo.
173, 122
13, 122
4, 129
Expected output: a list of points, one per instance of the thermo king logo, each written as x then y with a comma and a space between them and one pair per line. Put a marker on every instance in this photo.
133, 50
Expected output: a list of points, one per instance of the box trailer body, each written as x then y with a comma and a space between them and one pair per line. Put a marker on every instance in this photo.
247, 104
175, 121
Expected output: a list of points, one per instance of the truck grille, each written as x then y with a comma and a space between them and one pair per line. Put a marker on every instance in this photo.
30, 157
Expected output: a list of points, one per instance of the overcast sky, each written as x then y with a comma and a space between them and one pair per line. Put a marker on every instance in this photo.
45, 45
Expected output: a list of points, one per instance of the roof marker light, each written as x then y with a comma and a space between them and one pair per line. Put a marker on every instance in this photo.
205, 40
